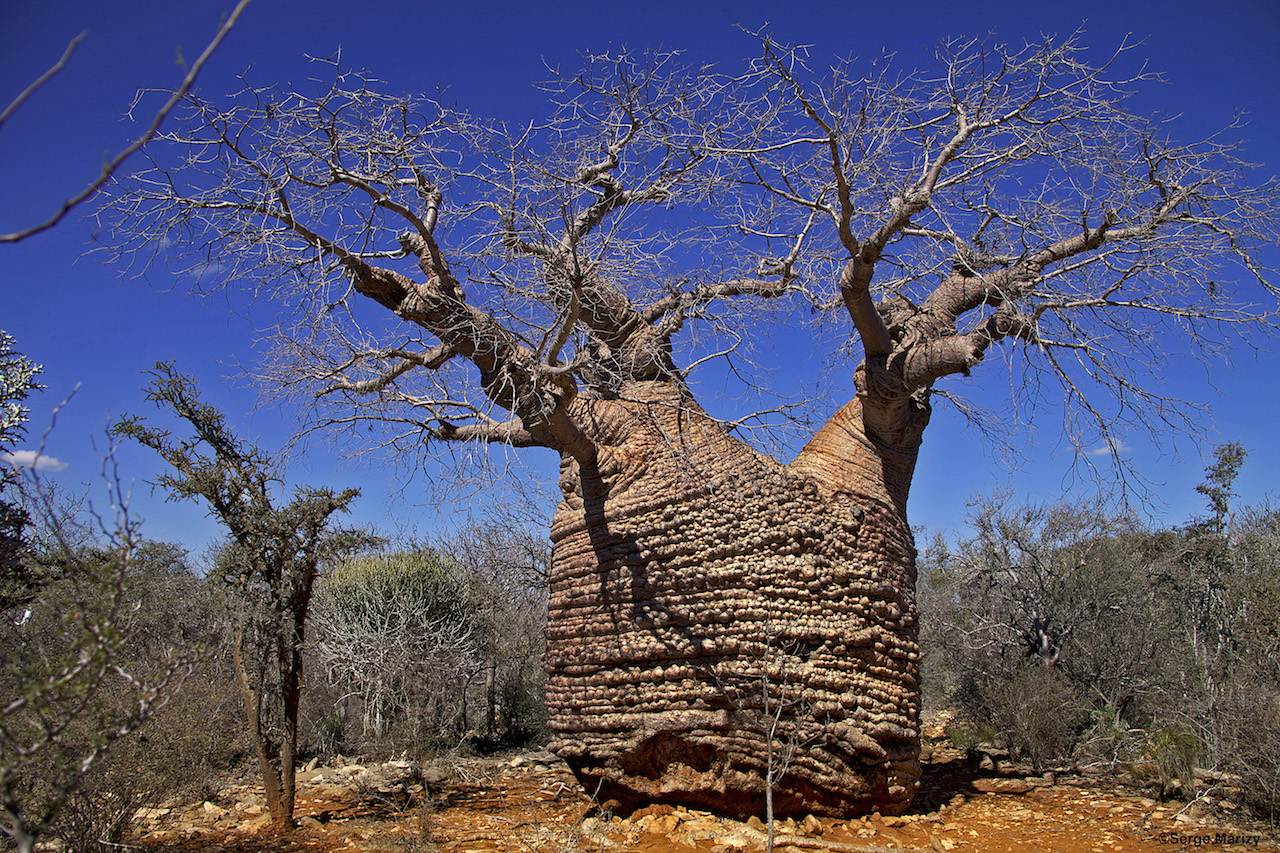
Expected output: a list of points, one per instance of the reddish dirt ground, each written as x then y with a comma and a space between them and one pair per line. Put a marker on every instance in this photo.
530, 804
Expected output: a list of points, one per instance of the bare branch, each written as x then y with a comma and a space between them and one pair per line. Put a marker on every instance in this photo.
26, 93
113, 165
1002, 198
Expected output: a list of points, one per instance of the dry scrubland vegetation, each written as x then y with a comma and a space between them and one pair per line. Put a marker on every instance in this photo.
1066, 635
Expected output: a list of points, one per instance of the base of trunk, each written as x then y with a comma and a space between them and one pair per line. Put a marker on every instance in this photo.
723, 771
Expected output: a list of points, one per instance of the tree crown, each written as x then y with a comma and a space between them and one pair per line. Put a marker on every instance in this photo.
1002, 196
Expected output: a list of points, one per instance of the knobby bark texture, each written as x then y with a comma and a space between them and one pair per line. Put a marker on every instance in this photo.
689, 562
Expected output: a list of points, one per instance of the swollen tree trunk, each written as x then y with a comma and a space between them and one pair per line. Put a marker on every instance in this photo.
682, 559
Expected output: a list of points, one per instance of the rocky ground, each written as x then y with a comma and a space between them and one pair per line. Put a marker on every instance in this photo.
530, 803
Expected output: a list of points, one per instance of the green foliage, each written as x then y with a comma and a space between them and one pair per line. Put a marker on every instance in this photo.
966, 736
19, 579
438, 644
17, 379
272, 559
1108, 738
70, 685
413, 588
1176, 752
399, 627
1218, 484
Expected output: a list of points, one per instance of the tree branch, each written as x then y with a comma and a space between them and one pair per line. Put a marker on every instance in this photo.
112, 166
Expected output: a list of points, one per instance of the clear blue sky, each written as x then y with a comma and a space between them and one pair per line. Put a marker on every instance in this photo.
89, 327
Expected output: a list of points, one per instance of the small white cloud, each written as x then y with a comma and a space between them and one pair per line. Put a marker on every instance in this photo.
1105, 449
30, 459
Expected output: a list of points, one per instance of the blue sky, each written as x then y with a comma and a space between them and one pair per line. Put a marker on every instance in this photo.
91, 328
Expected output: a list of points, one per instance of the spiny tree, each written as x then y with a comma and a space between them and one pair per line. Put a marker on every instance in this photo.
273, 556
399, 628
456, 279
1218, 485
1202, 574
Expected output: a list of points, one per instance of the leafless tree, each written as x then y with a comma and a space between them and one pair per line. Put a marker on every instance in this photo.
457, 281
1005, 197
767, 697
512, 563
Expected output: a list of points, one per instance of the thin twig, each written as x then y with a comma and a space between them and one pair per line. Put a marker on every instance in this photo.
109, 170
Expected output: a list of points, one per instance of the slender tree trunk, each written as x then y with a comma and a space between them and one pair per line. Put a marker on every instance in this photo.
291, 688
491, 699
770, 781
669, 565
251, 699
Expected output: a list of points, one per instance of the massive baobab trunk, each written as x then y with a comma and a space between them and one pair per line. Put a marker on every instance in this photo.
693, 564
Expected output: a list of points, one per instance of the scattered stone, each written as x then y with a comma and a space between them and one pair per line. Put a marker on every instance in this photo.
1003, 786
1200, 808
434, 774
258, 824
664, 824
150, 814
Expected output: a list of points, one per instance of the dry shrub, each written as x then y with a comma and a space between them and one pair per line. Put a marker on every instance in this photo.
1254, 723
97, 817
1039, 713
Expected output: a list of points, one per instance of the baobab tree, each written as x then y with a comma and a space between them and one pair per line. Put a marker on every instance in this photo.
450, 279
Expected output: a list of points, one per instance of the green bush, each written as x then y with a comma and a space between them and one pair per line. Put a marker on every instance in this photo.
1176, 752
